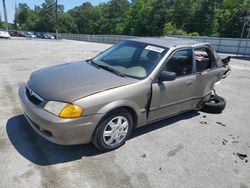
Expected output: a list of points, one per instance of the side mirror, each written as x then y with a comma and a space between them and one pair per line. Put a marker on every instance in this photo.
167, 76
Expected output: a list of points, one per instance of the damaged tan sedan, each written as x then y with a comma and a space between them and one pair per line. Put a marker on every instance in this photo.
131, 84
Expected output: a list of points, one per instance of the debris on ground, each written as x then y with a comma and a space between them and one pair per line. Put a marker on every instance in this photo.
160, 168
241, 156
143, 155
224, 141
230, 139
222, 124
203, 122
235, 142
204, 116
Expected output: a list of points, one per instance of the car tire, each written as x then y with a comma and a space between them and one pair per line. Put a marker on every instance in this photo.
106, 137
215, 105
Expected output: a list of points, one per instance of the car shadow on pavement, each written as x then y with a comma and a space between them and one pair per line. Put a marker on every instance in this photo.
39, 151
163, 123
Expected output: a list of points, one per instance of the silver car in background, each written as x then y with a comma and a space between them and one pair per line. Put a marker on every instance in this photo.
4, 34
131, 84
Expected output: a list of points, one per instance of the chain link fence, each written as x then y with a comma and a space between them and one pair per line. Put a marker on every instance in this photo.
222, 45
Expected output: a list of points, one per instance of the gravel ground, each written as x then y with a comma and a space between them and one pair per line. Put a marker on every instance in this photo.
194, 149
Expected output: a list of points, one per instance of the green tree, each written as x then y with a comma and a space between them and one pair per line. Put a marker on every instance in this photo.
183, 12
83, 17
230, 17
140, 17
31, 21
66, 23
116, 12
203, 20
169, 29
22, 14
99, 21
137, 20
160, 14
46, 14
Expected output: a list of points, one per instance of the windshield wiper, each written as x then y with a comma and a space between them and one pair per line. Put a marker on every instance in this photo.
111, 70
89, 61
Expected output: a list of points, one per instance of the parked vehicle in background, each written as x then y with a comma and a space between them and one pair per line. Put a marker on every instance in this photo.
31, 35
4, 34
18, 34
48, 36
39, 35
45, 36
58, 37
131, 84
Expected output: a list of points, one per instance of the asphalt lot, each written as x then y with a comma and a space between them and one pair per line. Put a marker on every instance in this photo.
190, 150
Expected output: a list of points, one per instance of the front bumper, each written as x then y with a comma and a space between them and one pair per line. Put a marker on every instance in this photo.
56, 129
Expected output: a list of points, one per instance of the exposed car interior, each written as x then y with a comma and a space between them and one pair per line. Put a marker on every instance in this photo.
131, 58
181, 62
203, 59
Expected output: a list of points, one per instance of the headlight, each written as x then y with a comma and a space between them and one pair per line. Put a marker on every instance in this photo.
64, 110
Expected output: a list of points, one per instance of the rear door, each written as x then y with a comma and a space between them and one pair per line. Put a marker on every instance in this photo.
207, 72
171, 97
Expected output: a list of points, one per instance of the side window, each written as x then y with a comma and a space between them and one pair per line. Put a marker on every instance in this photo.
181, 62
202, 58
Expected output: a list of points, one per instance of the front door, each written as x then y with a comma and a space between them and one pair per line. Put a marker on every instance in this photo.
172, 97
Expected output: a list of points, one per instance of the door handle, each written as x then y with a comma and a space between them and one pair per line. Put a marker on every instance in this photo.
189, 83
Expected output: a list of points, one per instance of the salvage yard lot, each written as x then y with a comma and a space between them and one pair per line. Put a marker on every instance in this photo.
194, 149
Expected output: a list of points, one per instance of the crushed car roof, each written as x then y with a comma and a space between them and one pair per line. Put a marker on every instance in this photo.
167, 42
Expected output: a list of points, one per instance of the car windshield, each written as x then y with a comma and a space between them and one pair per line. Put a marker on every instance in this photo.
130, 58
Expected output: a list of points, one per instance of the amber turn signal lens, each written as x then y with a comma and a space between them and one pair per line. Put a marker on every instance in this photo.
71, 111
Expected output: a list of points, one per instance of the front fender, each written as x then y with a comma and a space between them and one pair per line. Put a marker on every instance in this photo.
134, 96
140, 113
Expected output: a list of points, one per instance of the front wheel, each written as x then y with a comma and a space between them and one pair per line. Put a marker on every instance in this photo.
113, 131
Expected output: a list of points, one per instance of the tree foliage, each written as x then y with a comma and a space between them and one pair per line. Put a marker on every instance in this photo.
140, 17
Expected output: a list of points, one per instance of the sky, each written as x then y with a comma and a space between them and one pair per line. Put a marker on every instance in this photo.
68, 4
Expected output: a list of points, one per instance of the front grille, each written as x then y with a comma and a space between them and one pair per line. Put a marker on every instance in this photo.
32, 96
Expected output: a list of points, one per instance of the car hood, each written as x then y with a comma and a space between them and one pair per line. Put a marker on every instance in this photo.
72, 81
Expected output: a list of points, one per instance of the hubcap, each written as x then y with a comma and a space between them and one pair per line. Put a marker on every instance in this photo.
115, 131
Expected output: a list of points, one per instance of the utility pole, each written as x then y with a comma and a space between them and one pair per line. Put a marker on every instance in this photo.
56, 21
5, 15
16, 27
246, 20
